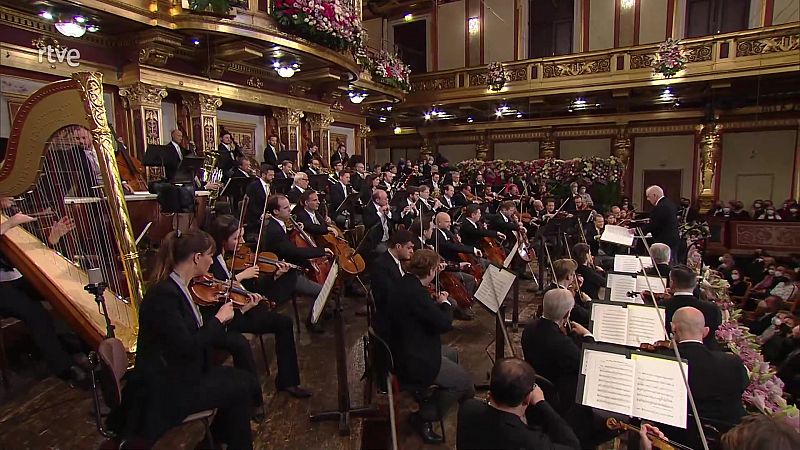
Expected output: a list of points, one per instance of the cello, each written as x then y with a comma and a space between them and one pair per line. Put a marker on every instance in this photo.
318, 268
130, 169
350, 261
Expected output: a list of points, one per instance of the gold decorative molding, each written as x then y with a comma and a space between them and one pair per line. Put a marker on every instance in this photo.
771, 44
621, 145
575, 68
255, 82
299, 89
709, 161
363, 130
515, 136
141, 94
433, 84
693, 53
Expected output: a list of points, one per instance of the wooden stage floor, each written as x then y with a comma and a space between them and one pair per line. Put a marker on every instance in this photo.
46, 413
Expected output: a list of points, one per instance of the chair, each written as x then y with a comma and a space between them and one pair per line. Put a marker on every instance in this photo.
108, 365
382, 365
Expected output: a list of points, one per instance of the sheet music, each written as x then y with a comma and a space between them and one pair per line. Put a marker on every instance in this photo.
660, 392
620, 285
494, 287
644, 325
322, 298
655, 285
631, 263
511, 254
610, 323
617, 235
609, 382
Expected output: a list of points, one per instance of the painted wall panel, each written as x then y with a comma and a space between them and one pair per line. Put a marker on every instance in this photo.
456, 153
662, 152
785, 11
260, 141
652, 21
573, 148
450, 35
523, 151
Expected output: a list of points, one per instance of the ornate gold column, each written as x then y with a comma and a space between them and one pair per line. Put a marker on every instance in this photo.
321, 133
708, 180
621, 149
547, 147
289, 128
203, 113
362, 135
143, 103
427, 148
482, 148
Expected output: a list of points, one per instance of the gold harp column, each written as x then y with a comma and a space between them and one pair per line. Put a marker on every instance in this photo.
321, 134
710, 150
92, 86
143, 104
362, 135
621, 149
289, 129
203, 112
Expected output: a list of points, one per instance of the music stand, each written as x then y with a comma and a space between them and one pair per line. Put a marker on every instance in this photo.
187, 170
318, 182
347, 204
282, 185
291, 155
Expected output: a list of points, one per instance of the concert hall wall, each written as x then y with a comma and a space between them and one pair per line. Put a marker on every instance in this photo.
456, 153
574, 148
516, 150
662, 152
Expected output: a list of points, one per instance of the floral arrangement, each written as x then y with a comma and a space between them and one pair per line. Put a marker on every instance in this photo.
669, 59
585, 170
387, 68
496, 78
215, 6
331, 23
765, 391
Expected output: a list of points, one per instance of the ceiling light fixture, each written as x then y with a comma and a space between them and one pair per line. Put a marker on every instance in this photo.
285, 70
357, 96
519, 115
46, 15
397, 130
427, 116
382, 119
71, 28
470, 119
667, 95
408, 17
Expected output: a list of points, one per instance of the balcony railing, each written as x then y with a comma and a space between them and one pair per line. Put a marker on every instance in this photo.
761, 51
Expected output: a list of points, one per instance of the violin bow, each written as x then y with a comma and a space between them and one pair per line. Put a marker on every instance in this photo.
263, 219
245, 201
671, 336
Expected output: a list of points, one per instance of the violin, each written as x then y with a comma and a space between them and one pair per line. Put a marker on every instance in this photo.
267, 261
208, 291
657, 347
350, 261
658, 443
649, 296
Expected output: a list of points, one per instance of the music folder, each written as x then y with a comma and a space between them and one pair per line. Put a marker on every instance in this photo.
617, 235
626, 324
634, 383
494, 287
625, 287
236, 186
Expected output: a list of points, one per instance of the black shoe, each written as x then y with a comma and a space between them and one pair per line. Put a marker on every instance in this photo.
297, 392
424, 429
462, 314
314, 328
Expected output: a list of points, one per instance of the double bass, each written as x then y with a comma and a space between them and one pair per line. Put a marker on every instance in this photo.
318, 268
131, 169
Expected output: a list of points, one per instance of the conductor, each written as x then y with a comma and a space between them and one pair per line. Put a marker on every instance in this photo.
663, 225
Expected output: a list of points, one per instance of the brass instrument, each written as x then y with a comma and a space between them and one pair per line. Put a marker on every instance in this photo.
56, 130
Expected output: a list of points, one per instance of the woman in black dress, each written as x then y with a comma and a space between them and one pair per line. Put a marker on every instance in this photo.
174, 375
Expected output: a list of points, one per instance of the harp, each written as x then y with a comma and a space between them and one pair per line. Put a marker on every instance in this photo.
60, 163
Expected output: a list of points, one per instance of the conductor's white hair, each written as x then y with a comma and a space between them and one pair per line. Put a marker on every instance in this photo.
660, 252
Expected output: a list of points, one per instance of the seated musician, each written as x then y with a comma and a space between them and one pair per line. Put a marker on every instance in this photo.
256, 319
359, 177
449, 245
275, 239
379, 221
416, 324
21, 301
502, 421
368, 187
566, 278
313, 222
593, 277
472, 230
661, 256
453, 178
717, 379
464, 195
551, 344
435, 182
387, 180
423, 232
314, 167
593, 233
549, 209
339, 191
506, 223
299, 186
257, 192
405, 205
172, 377
428, 205
285, 172
308, 156
384, 273
682, 283
447, 197
241, 168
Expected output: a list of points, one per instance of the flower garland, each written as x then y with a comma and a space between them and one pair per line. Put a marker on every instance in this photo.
765, 391
331, 23
669, 59
496, 78
388, 69
587, 170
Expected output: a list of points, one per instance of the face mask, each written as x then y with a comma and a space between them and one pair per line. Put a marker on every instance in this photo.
792, 210
734, 277
726, 210
770, 212
778, 274
771, 271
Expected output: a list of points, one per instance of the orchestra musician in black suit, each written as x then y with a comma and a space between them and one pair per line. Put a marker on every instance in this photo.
462, 197
339, 191
503, 422
271, 151
472, 230
449, 245
228, 151
285, 172
256, 317
308, 214
241, 168
379, 221
299, 186
683, 281
593, 278
308, 155
448, 191
663, 222
384, 272
416, 323
717, 379
340, 156
174, 375
359, 178
257, 192
405, 205
314, 167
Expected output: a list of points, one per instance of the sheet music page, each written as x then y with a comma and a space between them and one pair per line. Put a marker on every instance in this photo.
620, 285
610, 323
322, 298
655, 285
609, 382
631, 263
511, 254
660, 392
617, 235
644, 325
494, 287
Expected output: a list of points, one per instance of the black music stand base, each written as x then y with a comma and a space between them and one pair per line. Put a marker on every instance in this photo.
345, 411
